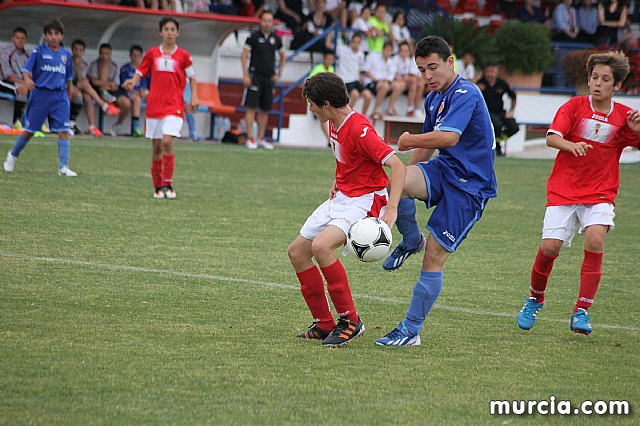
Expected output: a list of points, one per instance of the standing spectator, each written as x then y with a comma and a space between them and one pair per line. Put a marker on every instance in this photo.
290, 12
259, 77
589, 133
12, 59
587, 16
350, 69
171, 66
405, 80
465, 66
493, 89
358, 190
399, 31
380, 30
139, 93
47, 74
565, 22
83, 92
103, 74
458, 182
379, 72
529, 12
612, 16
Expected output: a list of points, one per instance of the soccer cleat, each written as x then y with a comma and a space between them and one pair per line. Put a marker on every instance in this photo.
45, 128
95, 132
527, 315
194, 137
115, 130
580, 322
10, 164
314, 332
262, 143
344, 331
400, 254
169, 192
17, 125
159, 194
251, 144
111, 109
399, 336
66, 171
108, 97
137, 133
38, 134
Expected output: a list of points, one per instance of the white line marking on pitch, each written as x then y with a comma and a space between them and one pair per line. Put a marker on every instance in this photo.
209, 277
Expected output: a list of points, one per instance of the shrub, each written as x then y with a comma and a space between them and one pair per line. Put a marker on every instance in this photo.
524, 47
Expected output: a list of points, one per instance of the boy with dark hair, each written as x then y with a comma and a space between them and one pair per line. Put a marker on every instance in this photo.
47, 74
139, 92
12, 59
359, 190
590, 133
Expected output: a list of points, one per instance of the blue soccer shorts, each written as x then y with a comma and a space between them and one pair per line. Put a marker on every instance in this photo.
43, 104
456, 211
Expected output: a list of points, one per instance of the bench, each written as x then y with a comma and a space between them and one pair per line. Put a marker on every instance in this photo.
396, 125
209, 101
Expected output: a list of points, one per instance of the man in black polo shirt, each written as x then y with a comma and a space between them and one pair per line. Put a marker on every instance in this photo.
259, 77
493, 89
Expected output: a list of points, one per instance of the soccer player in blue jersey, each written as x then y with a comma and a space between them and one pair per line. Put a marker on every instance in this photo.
48, 75
458, 182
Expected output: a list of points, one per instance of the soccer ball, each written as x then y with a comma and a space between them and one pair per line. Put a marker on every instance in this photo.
369, 239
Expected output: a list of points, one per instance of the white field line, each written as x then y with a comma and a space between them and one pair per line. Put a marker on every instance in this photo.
209, 277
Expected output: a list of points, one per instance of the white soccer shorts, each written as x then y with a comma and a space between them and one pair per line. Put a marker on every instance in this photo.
562, 222
340, 211
169, 125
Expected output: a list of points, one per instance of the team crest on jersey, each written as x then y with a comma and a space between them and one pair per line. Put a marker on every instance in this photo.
441, 108
272, 40
597, 131
64, 59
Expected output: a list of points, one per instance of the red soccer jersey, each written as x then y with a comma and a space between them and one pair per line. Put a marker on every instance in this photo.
594, 178
169, 73
360, 154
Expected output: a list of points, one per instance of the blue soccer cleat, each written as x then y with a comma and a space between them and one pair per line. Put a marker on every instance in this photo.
399, 336
399, 254
527, 315
580, 322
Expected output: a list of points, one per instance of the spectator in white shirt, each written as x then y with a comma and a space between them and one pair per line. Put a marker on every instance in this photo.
361, 24
379, 73
350, 66
404, 80
400, 31
465, 66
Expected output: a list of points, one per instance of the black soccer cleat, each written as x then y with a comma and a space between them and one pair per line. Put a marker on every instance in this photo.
314, 332
344, 331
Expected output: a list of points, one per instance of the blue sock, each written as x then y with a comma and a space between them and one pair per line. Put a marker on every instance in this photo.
191, 123
64, 150
21, 142
135, 123
407, 223
425, 293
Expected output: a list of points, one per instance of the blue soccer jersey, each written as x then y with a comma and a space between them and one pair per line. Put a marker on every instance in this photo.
469, 164
127, 71
49, 69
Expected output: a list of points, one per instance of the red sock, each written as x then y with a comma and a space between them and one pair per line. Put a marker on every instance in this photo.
339, 291
167, 172
156, 173
590, 275
312, 288
540, 275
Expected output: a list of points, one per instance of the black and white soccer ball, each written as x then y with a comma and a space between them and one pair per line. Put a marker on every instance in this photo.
369, 239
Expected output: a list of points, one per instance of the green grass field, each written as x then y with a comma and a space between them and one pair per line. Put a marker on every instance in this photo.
118, 309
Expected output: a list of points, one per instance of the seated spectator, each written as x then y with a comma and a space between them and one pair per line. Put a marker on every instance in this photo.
493, 89
361, 25
327, 65
12, 59
83, 92
138, 93
587, 15
102, 75
314, 24
399, 31
379, 73
612, 16
465, 66
530, 13
290, 12
380, 30
565, 22
350, 69
405, 80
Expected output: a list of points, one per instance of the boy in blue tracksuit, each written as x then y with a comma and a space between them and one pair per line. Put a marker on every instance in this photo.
48, 75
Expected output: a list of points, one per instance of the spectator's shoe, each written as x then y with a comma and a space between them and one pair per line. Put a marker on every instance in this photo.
111, 109
66, 171
45, 128
115, 130
527, 315
401, 253
399, 336
137, 133
73, 129
194, 137
344, 331
108, 97
411, 113
169, 192
314, 332
580, 322
159, 194
262, 143
95, 132
251, 144
17, 125
10, 164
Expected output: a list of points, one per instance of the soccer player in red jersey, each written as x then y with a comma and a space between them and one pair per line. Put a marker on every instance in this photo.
590, 132
359, 190
171, 66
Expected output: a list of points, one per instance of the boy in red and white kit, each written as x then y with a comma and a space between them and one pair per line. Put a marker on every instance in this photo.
359, 190
171, 66
590, 133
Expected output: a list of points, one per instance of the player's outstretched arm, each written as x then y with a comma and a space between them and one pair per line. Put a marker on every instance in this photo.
396, 187
420, 155
430, 140
578, 149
